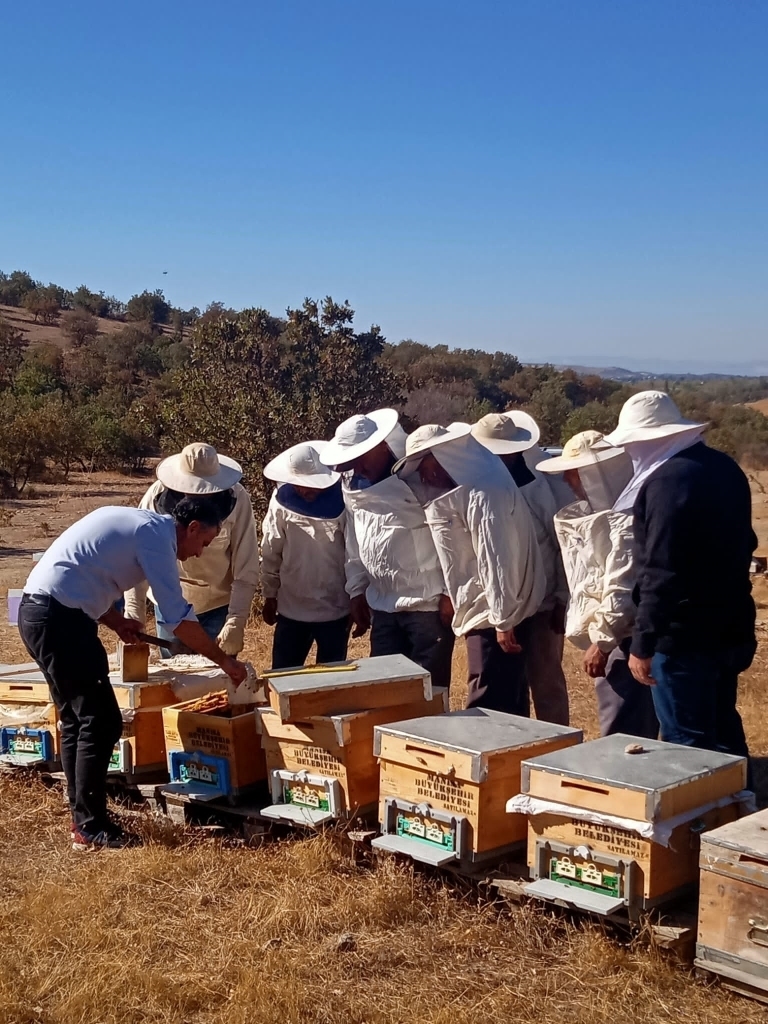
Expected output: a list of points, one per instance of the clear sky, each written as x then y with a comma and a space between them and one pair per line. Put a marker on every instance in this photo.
570, 180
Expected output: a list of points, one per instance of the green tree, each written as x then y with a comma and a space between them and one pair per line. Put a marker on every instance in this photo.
14, 286
13, 345
592, 416
79, 326
149, 306
44, 304
550, 407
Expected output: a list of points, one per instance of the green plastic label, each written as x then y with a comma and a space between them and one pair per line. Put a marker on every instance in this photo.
307, 797
426, 831
585, 876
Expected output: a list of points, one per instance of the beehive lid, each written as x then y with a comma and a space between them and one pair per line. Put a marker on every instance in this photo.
747, 836
660, 769
306, 693
477, 731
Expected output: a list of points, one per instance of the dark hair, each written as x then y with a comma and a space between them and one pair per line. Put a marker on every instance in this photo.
208, 509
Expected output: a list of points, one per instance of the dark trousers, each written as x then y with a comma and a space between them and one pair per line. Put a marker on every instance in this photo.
65, 644
695, 698
623, 704
497, 680
293, 639
420, 636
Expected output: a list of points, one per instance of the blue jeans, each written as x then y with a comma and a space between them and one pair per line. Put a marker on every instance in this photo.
695, 698
212, 622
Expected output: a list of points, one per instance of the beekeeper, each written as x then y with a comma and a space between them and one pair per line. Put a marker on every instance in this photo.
74, 588
694, 630
596, 543
221, 582
510, 435
302, 559
494, 571
394, 578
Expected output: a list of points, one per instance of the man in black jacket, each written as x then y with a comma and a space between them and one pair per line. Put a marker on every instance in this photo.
695, 626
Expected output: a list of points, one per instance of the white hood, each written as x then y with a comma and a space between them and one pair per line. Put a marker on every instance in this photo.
604, 481
597, 556
485, 538
391, 556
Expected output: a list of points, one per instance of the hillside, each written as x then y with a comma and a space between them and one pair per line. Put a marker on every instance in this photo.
37, 333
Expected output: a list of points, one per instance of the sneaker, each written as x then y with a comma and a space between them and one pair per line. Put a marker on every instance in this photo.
84, 842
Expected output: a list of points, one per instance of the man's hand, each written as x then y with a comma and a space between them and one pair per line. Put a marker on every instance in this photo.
126, 629
641, 670
269, 611
507, 642
235, 669
595, 661
557, 622
445, 610
361, 615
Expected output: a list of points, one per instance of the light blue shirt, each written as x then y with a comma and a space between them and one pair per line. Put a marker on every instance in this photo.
109, 551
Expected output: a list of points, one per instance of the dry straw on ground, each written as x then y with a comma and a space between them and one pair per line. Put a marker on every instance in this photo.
191, 930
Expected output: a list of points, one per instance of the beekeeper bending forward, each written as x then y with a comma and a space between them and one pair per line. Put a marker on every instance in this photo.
486, 542
221, 582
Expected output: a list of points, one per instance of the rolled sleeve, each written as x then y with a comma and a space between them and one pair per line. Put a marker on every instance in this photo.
157, 557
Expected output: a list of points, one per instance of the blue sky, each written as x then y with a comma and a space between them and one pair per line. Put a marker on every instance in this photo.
571, 181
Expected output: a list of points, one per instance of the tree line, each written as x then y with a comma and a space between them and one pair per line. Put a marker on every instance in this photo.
253, 383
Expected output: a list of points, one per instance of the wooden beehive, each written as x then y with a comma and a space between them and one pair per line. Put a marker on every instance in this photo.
367, 683
23, 684
141, 749
305, 759
444, 782
215, 752
733, 904
579, 844
29, 733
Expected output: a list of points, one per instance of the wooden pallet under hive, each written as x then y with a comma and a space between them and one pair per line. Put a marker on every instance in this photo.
445, 781
325, 768
733, 905
611, 830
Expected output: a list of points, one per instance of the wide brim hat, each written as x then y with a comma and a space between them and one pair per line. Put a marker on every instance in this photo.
358, 435
581, 450
650, 416
425, 438
199, 469
507, 433
300, 465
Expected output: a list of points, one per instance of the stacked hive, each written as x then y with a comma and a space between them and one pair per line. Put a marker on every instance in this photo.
317, 734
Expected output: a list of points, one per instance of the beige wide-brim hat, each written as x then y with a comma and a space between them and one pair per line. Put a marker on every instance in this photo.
425, 438
506, 433
358, 435
199, 469
650, 416
301, 466
584, 449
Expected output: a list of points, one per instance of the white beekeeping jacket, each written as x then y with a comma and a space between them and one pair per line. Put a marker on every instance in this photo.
227, 572
391, 556
302, 563
597, 556
485, 537
543, 506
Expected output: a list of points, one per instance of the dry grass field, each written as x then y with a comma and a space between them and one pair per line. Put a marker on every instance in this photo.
194, 930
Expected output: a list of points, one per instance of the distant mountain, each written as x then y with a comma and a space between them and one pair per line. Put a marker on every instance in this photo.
635, 376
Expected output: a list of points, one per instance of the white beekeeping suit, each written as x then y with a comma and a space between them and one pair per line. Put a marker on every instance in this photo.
484, 535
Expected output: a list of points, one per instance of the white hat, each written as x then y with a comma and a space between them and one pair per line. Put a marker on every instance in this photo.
198, 469
584, 449
648, 416
507, 432
423, 439
358, 435
301, 466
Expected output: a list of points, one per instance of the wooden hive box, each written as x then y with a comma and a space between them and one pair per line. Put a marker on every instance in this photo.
325, 768
155, 692
23, 684
365, 684
141, 749
733, 904
26, 684
610, 829
444, 782
214, 753
29, 733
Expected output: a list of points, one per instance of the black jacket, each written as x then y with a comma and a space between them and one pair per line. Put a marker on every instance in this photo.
693, 545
